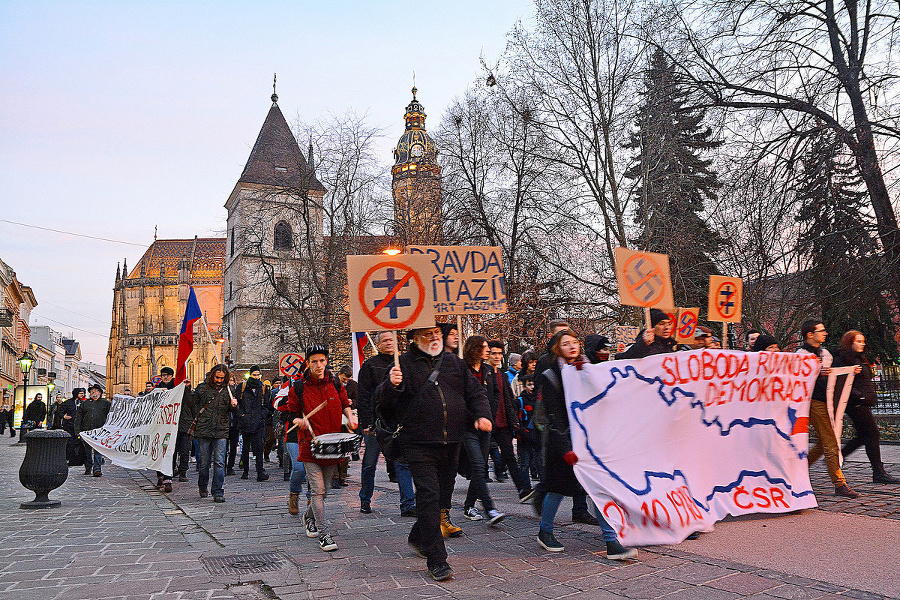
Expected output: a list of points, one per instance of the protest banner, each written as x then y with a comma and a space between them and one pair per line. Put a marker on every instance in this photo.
837, 406
643, 279
686, 325
389, 292
140, 433
466, 279
720, 432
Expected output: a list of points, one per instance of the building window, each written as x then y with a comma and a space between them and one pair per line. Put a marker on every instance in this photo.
232, 241
283, 236
281, 285
230, 290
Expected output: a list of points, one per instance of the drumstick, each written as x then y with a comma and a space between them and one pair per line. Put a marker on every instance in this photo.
311, 413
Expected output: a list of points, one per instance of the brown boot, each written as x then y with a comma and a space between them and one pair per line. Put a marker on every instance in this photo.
293, 498
448, 529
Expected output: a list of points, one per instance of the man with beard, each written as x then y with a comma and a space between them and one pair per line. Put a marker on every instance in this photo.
432, 395
207, 411
92, 414
254, 410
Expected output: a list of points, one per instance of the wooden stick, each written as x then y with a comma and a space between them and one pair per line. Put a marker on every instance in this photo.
647, 321
306, 418
397, 349
725, 334
459, 334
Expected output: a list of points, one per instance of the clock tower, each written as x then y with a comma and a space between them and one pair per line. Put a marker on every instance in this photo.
416, 182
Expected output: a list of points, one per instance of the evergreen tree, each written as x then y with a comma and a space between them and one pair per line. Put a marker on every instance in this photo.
673, 182
837, 237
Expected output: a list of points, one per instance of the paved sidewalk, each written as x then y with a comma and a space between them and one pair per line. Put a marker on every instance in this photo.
117, 537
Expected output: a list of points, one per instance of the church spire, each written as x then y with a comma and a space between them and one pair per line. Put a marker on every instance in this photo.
274, 94
309, 159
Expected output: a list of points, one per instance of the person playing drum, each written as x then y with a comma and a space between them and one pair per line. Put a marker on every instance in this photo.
320, 395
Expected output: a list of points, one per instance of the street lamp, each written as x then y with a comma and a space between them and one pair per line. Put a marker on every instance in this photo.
25, 361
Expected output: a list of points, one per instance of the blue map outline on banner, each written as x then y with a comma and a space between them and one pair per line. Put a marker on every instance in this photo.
618, 374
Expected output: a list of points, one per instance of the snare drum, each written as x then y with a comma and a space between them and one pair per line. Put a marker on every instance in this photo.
335, 445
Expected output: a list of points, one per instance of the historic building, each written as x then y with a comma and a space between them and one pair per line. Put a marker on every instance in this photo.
416, 183
148, 307
15, 311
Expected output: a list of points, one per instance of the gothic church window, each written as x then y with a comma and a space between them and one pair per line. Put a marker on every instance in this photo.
283, 236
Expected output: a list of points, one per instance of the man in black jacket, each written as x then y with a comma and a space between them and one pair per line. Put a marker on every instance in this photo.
656, 340
433, 395
254, 410
207, 412
92, 414
371, 373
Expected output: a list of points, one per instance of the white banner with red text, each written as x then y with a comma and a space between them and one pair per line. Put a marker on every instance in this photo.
140, 432
669, 444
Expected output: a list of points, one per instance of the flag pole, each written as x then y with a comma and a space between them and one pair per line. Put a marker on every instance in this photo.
209, 338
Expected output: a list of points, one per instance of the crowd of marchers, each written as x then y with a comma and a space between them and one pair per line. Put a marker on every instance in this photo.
436, 412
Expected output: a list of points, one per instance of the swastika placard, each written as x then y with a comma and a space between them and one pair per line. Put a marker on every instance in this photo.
389, 292
725, 297
686, 325
290, 364
644, 279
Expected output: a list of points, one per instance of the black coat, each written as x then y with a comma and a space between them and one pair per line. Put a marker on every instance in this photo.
212, 422
371, 373
559, 477
863, 390
36, 412
91, 414
509, 400
254, 406
640, 349
433, 413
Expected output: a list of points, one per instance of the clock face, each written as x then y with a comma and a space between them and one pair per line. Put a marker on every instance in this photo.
418, 150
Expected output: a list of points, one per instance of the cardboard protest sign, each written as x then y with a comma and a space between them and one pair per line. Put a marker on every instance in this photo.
465, 279
720, 432
140, 433
624, 335
290, 364
643, 279
725, 297
686, 325
389, 292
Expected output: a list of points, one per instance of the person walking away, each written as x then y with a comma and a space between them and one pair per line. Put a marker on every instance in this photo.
559, 477
372, 373
321, 392
254, 411
92, 414
859, 408
208, 410
433, 396
506, 421
814, 335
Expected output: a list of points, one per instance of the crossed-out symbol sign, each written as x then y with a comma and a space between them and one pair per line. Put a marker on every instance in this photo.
392, 295
687, 324
726, 297
645, 279
290, 364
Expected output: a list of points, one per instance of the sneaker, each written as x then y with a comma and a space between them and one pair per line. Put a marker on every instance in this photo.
494, 517
548, 542
884, 477
204, 494
616, 551
410, 512
584, 517
309, 522
440, 572
846, 492
326, 543
526, 495
365, 508
219, 499
472, 514
262, 476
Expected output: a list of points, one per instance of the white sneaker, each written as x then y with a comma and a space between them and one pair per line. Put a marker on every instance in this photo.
326, 543
494, 517
472, 514
310, 522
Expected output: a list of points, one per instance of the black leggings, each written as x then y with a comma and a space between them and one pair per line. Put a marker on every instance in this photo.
866, 435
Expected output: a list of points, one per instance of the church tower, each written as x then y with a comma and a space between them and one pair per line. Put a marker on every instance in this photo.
416, 182
274, 226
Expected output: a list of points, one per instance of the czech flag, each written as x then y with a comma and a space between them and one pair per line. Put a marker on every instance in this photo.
360, 339
186, 338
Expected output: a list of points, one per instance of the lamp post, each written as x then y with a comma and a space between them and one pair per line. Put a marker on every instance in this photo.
25, 361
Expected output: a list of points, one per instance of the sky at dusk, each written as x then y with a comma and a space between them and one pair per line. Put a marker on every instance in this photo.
116, 117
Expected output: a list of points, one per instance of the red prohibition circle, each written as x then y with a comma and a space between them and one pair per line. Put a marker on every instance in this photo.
686, 328
410, 274
720, 306
656, 271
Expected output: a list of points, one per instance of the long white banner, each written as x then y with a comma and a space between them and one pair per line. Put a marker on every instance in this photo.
140, 432
669, 444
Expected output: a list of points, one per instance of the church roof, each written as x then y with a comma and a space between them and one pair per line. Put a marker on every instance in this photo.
276, 158
205, 258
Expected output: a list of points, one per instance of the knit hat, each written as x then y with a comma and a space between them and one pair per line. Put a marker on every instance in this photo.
167, 371
256, 367
96, 386
315, 349
762, 342
656, 316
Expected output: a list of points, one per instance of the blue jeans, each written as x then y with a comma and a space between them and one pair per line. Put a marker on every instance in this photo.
476, 445
369, 464
92, 459
298, 471
212, 450
552, 501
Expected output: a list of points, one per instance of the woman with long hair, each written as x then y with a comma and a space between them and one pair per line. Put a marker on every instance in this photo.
559, 477
859, 407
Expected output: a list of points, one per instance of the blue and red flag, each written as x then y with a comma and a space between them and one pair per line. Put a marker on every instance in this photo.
186, 338
360, 339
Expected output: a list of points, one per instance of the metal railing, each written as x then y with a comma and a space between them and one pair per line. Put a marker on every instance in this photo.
887, 386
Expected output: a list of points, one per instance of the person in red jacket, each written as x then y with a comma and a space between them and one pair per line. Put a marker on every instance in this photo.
318, 386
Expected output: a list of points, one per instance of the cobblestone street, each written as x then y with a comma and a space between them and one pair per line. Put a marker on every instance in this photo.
117, 537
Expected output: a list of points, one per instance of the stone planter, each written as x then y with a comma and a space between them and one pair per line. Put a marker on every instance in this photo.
45, 467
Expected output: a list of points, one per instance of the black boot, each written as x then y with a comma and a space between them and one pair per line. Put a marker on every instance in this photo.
883, 476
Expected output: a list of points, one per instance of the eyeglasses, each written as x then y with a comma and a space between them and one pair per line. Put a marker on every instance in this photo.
429, 335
